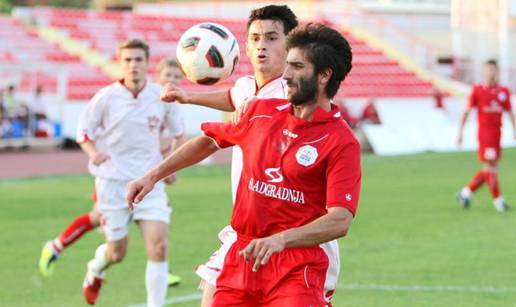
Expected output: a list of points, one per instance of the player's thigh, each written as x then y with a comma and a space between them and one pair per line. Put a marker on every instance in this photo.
208, 290
225, 297
155, 235
302, 300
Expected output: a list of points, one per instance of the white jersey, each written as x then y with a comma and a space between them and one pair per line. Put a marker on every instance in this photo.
127, 127
244, 89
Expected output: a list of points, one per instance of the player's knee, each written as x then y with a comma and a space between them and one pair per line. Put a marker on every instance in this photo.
159, 249
117, 254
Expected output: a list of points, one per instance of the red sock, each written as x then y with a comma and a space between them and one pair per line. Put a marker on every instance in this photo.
492, 183
81, 225
478, 180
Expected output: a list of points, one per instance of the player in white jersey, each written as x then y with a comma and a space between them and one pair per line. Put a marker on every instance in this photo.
267, 28
120, 132
166, 71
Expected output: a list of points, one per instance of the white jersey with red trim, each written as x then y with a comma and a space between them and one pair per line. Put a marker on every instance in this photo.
245, 88
126, 127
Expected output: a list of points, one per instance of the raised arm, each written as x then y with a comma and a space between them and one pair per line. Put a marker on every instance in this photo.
218, 100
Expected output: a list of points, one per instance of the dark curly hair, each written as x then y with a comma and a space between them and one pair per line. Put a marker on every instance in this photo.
326, 49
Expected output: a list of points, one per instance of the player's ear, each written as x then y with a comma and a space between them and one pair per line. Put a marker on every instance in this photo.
324, 76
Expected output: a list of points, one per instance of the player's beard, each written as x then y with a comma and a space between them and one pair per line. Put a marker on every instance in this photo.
306, 91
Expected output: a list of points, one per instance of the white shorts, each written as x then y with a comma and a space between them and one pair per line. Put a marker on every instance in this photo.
227, 236
115, 215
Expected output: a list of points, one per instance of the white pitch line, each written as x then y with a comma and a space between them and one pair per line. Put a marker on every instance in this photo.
425, 288
177, 300
390, 288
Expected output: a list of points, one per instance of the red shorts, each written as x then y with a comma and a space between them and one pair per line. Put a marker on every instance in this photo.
489, 148
294, 277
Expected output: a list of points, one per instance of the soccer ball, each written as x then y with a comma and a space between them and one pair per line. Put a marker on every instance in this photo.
207, 53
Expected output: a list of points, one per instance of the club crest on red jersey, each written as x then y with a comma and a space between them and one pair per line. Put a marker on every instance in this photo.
502, 96
306, 155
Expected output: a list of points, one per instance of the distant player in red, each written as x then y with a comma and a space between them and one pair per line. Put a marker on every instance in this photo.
491, 100
300, 181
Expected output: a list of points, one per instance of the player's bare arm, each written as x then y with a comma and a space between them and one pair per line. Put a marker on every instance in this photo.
96, 157
167, 147
463, 120
333, 225
218, 100
190, 153
512, 117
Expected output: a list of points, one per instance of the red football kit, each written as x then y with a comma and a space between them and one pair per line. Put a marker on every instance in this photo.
490, 103
293, 170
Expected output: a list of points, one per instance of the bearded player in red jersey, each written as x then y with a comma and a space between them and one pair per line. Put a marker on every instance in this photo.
491, 100
300, 181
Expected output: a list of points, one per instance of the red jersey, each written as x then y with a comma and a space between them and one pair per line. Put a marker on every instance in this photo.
490, 103
293, 169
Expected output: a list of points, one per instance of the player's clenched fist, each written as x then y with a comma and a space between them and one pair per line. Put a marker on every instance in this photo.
261, 250
99, 158
173, 93
137, 189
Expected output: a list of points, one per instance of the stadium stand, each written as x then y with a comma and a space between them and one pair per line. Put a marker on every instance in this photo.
103, 30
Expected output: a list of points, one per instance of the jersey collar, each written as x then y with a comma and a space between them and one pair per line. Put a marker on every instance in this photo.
258, 89
135, 95
320, 115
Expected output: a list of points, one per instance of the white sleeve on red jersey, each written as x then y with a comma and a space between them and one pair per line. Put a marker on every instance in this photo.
91, 118
174, 120
243, 88
343, 177
227, 134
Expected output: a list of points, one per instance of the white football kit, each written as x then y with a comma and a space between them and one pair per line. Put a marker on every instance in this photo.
127, 127
243, 89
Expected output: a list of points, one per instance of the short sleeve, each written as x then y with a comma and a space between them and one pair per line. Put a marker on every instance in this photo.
242, 90
174, 120
91, 118
473, 99
228, 134
344, 177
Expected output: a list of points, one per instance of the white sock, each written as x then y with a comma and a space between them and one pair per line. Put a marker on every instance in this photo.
57, 246
98, 264
499, 201
466, 192
156, 283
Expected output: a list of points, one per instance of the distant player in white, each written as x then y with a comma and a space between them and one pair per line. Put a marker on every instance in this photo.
267, 28
120, 132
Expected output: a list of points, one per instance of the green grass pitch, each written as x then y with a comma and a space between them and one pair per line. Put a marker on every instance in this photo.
410, 244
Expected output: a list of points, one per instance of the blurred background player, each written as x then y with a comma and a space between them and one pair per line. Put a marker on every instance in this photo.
281, 244
167, 71
120, 132
267, 28
491, 100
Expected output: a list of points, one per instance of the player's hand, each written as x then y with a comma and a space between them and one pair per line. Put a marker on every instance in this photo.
240, 111
261, 250
170, 179
137, 189
99, 158
173, 93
